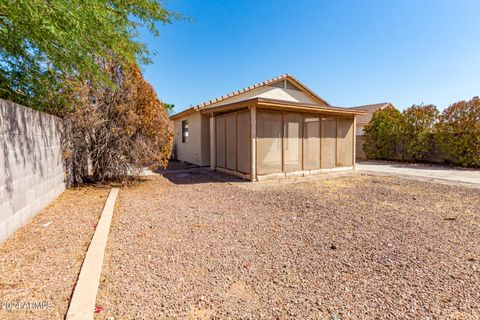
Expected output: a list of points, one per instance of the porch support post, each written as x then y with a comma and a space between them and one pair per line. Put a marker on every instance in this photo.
354, 155
213, 146
253, 143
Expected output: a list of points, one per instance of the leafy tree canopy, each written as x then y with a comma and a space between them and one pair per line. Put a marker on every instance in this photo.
383, 134
421, 133
169, 107
418, 131
458, 133
43, 44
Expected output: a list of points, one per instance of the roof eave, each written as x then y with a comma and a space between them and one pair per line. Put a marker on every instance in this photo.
183, 113
309, 107
262, 102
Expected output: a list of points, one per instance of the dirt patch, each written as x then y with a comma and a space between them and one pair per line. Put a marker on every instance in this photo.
39, 265
350, 247
239, 291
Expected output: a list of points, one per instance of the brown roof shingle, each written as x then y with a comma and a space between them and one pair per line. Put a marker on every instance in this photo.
370, 108
258, 85
208, 104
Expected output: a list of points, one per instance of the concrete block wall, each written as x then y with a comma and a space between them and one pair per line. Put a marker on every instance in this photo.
359, 153
32, 173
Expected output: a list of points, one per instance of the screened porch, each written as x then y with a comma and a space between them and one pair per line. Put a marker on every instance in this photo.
256, 143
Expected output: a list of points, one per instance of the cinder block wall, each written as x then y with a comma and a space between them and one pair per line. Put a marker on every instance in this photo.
31, 166
360, 154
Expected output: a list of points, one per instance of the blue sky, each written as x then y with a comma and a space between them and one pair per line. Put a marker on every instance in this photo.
349, 52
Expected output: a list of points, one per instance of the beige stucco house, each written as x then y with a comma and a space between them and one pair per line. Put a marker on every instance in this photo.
276, 128
362, 121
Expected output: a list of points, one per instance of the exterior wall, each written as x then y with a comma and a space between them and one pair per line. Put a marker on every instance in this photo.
270, 92
31, 166
197, 149
359, 129
359, 149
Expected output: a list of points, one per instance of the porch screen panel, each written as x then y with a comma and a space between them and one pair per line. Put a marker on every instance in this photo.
329, 141
269, 142
231, 145
292, 141
311, 143
243, 139
345, 142
220, 141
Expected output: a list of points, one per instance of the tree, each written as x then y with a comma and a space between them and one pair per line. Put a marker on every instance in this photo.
458, 133
383, 135
118, 130
418, 131
169, 107
44, 44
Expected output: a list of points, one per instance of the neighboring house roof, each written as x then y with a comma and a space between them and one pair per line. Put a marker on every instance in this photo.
370, 108
214, 102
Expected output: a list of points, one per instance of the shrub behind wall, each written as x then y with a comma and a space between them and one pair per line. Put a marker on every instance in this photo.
420, 133
383, 135
458, 133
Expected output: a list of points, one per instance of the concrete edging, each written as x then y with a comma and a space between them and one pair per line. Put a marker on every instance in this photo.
420, 178
82, 305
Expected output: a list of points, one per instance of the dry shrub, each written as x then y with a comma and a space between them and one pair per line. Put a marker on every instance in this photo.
116, 130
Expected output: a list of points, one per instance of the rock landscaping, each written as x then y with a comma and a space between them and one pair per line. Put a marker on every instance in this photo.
201, 246
39, 265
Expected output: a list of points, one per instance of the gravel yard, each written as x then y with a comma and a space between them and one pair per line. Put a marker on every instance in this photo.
39, 265
190, 246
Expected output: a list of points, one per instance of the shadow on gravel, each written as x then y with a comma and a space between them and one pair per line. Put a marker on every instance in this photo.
174, 165
183, 173
200, 175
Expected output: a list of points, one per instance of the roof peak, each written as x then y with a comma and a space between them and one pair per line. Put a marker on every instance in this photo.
284, 76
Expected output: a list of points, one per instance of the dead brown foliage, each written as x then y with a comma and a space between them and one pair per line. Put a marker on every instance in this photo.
115, 131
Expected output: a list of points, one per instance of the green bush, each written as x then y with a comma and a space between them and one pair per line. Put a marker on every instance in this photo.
458, 133
383, 135
419, 132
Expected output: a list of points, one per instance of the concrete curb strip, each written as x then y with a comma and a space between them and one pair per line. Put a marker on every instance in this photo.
84, 296
450, 182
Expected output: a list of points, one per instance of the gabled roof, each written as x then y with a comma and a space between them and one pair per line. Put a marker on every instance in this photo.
370, 108
213, 102
259, 85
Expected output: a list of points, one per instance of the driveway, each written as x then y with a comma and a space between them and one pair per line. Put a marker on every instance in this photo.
422, 172
193, 245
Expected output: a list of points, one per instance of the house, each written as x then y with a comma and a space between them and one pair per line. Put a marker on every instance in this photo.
275, 128
362, 121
